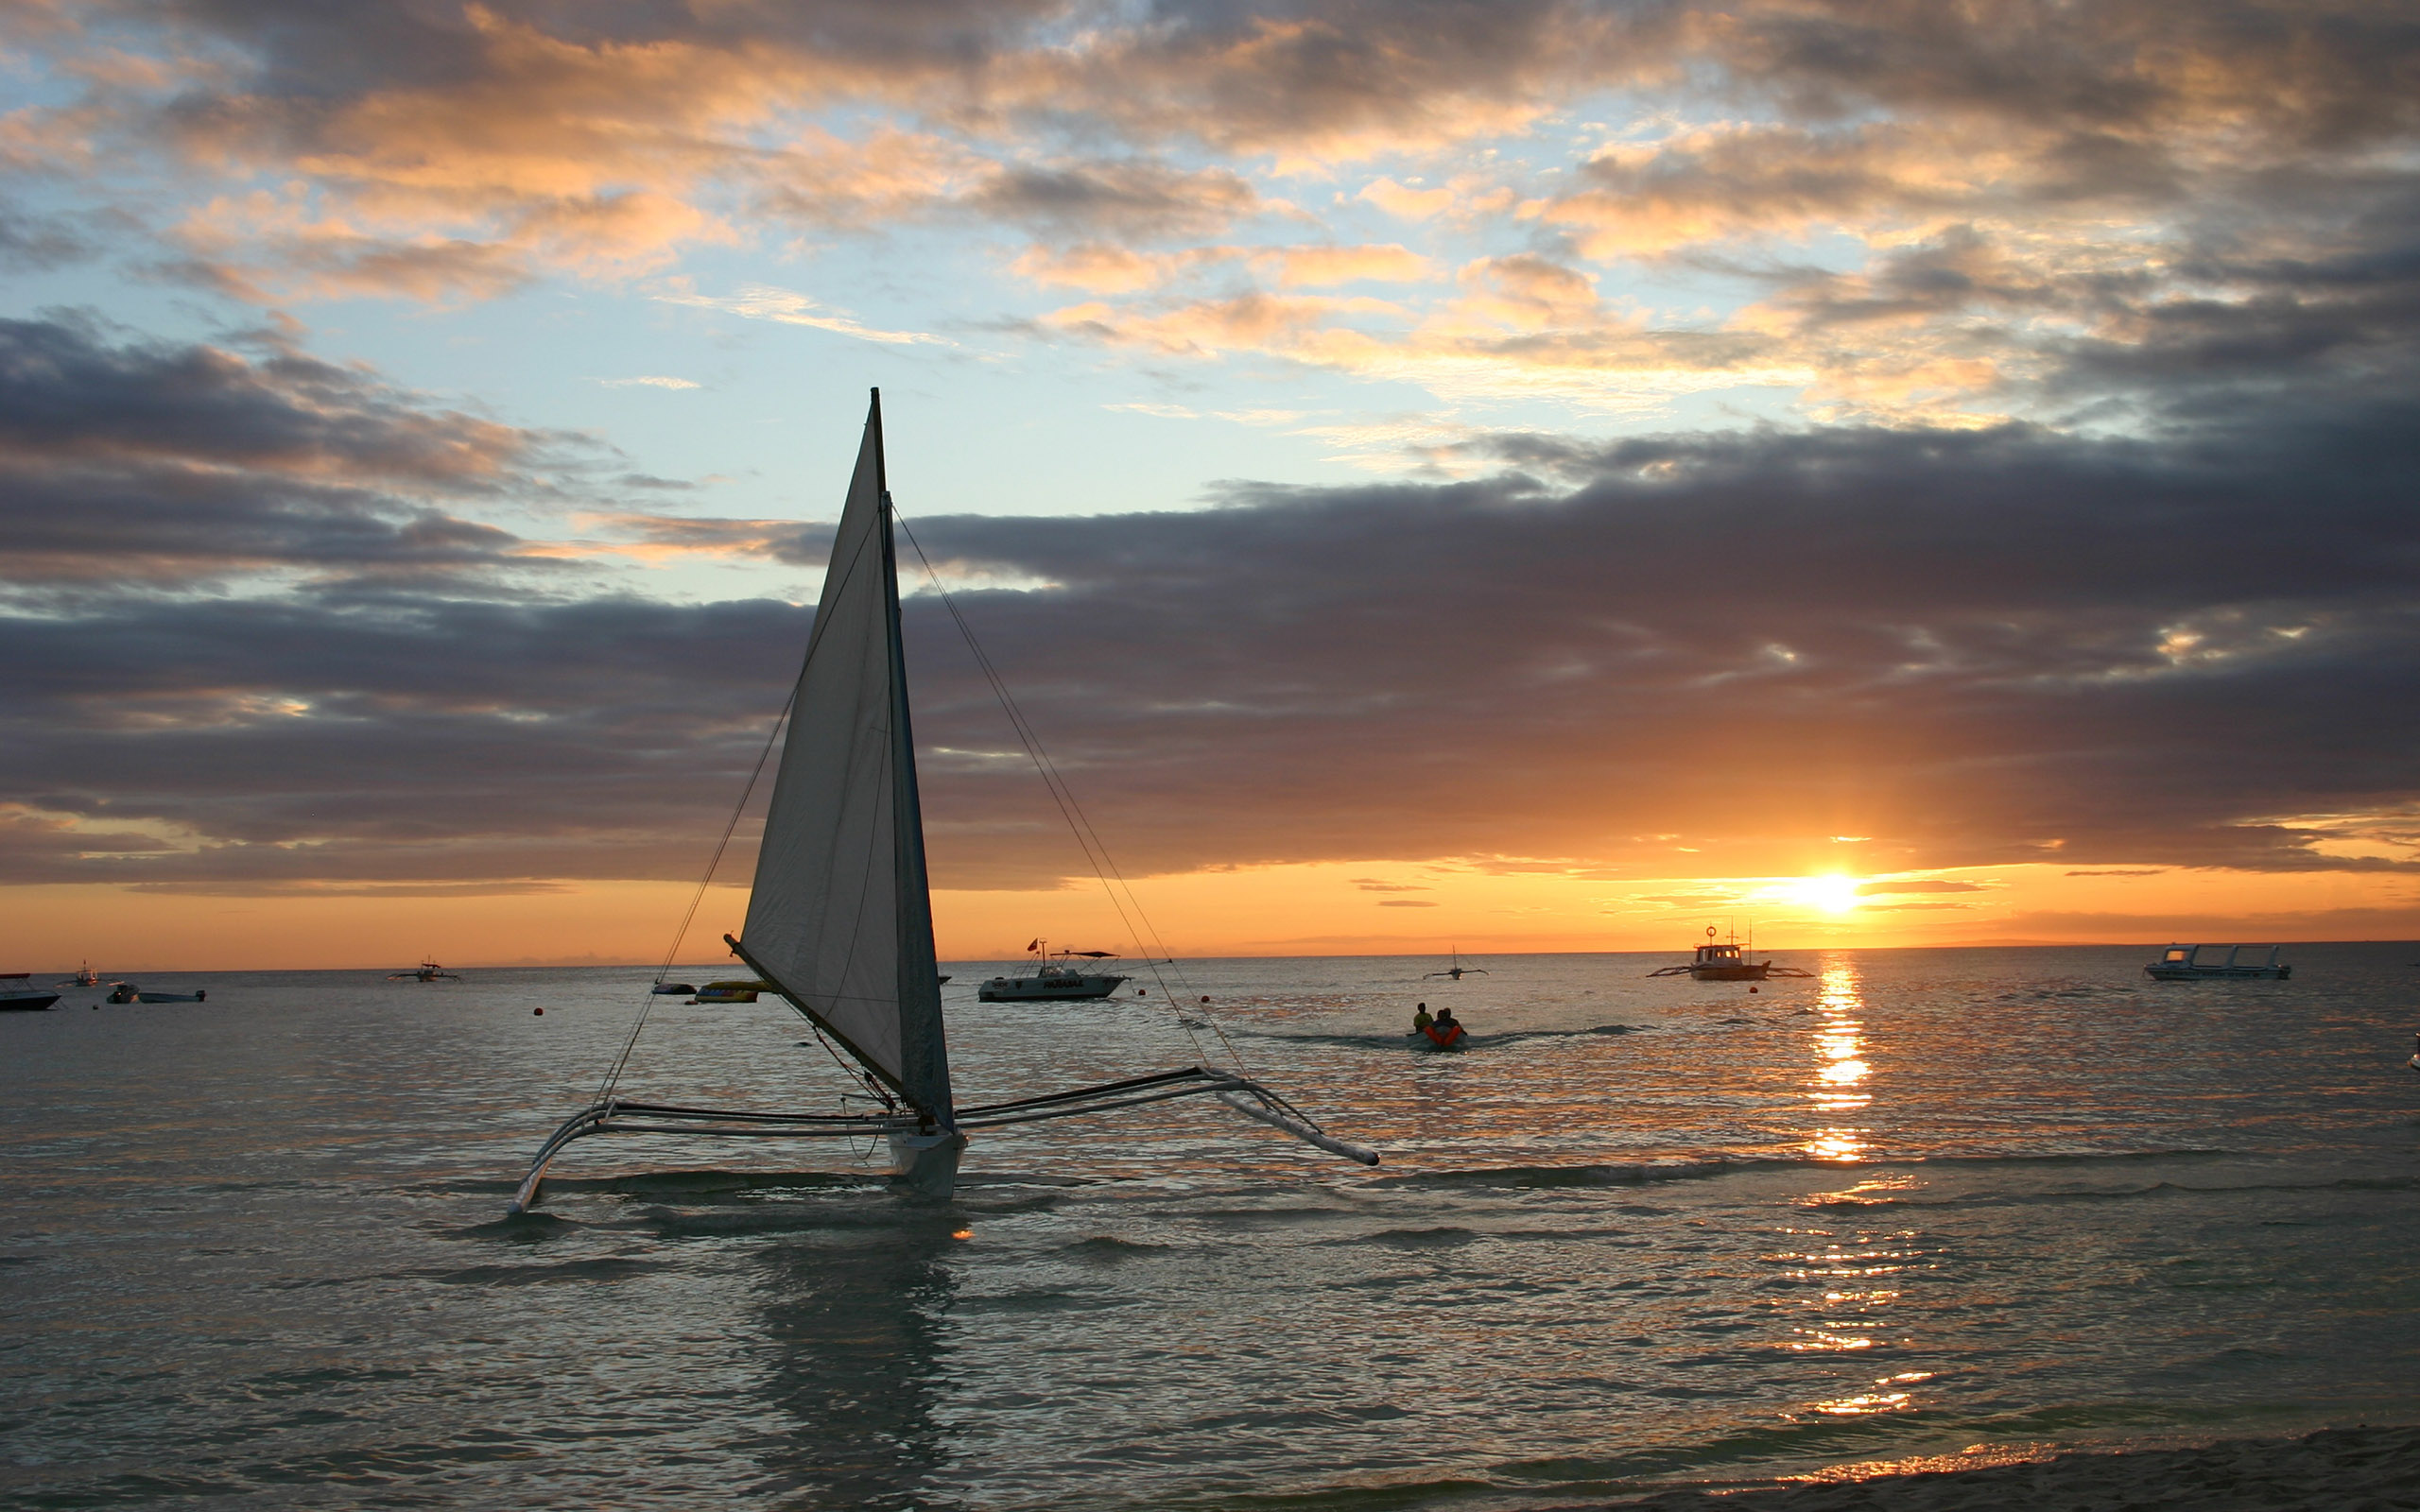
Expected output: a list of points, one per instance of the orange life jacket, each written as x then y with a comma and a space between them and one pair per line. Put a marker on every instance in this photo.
1444, 1041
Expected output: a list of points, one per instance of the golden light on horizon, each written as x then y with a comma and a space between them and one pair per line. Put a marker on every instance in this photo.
1834, 893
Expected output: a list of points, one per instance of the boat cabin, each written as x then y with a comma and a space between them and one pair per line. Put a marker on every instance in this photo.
2179, 963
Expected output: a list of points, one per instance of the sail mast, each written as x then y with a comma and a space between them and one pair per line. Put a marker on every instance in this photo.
924, 1049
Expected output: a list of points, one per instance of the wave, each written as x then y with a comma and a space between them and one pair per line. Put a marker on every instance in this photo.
1108, 1248
605, 1269
1411, 1039
1640, 1172
1611, 1175
520, 1228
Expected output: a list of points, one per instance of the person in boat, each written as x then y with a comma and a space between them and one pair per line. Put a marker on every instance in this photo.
1447, 1031
1420, 1019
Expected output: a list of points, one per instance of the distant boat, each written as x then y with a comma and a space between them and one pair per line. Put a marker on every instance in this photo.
1056, 981
85, 976
1457, 971
424, 972
128, 992
1727, 961
19, 994
730, 991
673, 989
840, 919
2187, 962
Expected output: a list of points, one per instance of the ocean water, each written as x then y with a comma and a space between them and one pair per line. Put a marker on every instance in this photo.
253, 1252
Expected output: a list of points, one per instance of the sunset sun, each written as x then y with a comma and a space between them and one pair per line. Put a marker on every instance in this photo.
1834, 894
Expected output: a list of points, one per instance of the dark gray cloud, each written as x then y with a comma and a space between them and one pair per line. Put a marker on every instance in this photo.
1130, 200
1975, 647
34, 243
124, 457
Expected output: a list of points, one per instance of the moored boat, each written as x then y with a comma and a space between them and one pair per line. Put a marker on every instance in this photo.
18, 993
128, 992
424, 972
1727, 961
2188, 963
1056, 980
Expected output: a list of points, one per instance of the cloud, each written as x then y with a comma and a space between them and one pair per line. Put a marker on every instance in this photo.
1130, 200
760, 301
651, 381
1406, 204
125, 459
1972, 648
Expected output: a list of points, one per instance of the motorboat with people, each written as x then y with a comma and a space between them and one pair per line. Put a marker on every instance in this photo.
1727, 961
424, 972
19, 994
2212, 963
1055, 980
1442, 1031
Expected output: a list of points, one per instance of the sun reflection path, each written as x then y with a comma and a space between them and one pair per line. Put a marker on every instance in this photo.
1840, 1069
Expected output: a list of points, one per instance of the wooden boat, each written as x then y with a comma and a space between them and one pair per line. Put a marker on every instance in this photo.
839, 922
424, 972
1726, 961
2187, 962
1457, 971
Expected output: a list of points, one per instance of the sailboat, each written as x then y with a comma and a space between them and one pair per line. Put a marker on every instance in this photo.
1457, 971
840, 920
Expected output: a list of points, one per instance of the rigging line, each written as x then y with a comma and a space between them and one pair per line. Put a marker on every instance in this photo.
614, 1077
1087, 838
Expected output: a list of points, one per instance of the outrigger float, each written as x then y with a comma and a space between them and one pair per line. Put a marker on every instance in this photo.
840, 921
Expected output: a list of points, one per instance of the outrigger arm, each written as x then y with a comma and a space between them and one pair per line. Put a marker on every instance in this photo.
615, 1115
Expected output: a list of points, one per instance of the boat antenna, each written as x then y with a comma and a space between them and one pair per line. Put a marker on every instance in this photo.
1113, 881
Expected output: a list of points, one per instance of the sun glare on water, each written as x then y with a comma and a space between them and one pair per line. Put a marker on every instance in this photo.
1833, 894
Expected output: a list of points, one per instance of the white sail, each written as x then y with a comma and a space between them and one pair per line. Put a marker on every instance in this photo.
841, 918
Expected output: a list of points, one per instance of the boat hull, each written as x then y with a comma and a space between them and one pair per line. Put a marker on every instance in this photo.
1039, 989
926, 1165
1743, 971
2218, 973
26, 1002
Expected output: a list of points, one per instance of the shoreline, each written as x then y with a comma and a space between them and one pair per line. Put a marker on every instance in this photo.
2331, 1469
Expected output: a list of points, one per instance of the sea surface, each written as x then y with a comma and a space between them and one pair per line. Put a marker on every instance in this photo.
254, 1253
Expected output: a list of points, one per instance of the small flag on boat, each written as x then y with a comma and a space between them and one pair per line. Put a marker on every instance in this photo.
1032, 945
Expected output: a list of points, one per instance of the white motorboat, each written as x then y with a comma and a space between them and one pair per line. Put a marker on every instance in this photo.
18, 993
2204, 963
1055, 980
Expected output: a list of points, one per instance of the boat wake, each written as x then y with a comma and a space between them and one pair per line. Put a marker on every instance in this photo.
1411, 1039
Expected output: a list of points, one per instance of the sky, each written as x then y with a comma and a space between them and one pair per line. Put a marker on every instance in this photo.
1521, 475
